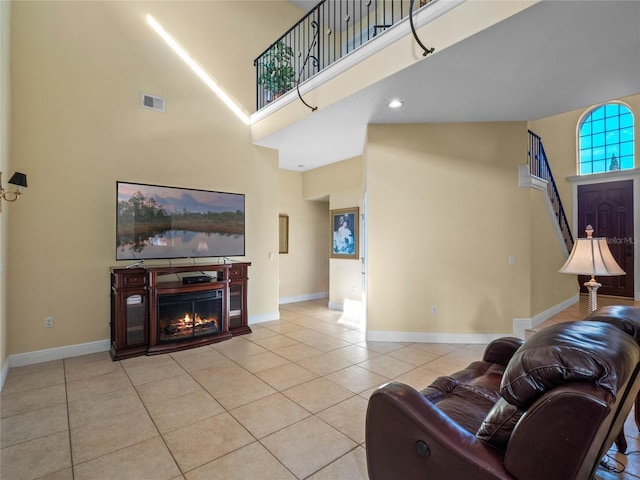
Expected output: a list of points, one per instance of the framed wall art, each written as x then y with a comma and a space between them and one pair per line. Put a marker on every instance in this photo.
344, 233
283, 233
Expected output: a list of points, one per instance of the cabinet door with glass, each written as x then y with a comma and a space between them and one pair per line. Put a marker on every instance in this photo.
129, 304
238, 319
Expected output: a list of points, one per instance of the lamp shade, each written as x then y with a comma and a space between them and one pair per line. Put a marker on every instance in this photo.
591, 256
19, 179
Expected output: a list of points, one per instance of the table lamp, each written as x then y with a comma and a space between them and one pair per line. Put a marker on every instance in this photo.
591, 256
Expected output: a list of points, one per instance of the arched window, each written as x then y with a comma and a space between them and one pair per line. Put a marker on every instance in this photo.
606, 139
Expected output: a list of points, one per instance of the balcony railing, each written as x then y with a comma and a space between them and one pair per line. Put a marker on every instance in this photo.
331, 30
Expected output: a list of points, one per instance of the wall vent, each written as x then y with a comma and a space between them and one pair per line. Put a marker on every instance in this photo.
154, 103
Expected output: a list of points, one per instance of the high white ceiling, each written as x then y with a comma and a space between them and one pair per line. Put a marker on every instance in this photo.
554, 57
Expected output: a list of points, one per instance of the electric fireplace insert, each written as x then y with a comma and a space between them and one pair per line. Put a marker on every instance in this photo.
182, 316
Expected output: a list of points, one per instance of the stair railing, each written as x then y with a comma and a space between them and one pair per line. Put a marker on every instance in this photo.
539, 167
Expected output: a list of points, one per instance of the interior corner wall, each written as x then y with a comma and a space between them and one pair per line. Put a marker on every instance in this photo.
77, 73
549, 287
5, 12
559, 137
444, 214
343, 184
304, 269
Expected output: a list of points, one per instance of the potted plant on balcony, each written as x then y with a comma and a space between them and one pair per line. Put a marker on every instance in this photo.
277, 74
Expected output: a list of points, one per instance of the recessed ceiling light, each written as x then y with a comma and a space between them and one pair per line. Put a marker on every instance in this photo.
395, 104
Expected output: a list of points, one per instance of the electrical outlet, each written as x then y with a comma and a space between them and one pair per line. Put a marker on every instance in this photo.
434, 310
48, 322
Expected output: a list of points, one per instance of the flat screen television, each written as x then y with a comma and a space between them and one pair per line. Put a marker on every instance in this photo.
160, 222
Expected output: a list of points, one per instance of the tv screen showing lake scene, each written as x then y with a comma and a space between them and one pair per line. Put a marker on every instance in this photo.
155, 221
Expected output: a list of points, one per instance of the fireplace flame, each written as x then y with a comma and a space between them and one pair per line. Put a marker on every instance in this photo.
188, 320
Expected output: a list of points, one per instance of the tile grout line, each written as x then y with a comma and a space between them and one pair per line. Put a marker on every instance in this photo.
66, 398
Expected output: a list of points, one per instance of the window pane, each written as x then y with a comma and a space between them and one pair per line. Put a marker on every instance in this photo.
585, 168
626, 120
585, 142
626, 162
611, 123
626, 135
613, 137
612, 109
598, 126
598, 114
606, 139
598, 153
599, 166
626, 148
598, 140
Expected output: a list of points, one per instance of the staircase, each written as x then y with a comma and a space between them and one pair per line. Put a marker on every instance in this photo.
537, 174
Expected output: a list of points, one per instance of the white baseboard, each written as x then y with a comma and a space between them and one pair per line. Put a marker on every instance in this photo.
253, 319
521, 325
336, 306
58, 353
303, 298
3, 373
423, 337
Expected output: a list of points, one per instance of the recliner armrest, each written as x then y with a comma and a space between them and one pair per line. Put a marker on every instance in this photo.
410, 438
501, 350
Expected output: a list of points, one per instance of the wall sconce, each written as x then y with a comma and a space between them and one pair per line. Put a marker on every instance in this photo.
591, 256
19, 179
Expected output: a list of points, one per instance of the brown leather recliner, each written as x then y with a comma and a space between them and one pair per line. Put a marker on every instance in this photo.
626, 318
547, 409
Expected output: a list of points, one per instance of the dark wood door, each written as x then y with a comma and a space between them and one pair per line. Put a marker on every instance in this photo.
608, 208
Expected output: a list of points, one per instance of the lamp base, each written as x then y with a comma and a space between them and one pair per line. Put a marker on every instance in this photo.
592, 288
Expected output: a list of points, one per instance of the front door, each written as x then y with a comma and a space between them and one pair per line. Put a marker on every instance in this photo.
608, 208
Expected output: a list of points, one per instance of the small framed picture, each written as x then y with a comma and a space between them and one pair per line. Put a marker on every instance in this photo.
344, 233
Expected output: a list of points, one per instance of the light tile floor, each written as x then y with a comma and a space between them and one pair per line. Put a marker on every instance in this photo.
287, 401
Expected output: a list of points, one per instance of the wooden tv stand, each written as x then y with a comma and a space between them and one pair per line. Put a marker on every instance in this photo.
135, 294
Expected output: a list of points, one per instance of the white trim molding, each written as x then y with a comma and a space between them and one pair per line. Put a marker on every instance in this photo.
303, 298
3, 373
266, 317
424, 337
58, 353
336, 306
521, 325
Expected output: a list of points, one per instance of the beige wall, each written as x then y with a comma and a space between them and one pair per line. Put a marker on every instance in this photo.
304, 270
78, 69
343, 184
444, 215
5, 12
548, 287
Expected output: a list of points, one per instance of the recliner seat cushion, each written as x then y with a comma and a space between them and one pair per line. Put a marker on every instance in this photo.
467, 395
500, 421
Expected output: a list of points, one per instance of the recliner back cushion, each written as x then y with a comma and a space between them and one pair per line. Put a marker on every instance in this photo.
594, 352
574, 351
625, 317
